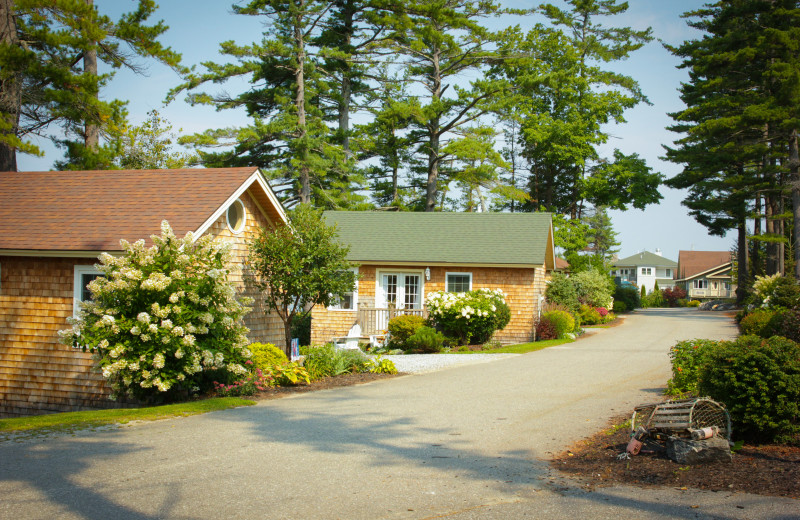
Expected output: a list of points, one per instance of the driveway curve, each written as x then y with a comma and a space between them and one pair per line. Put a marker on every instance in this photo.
466, 442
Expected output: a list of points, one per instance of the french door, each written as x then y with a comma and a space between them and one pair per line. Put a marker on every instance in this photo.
398, 291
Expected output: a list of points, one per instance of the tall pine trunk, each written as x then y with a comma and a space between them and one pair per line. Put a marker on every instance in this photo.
10, 92
431, 187
794, 176
300, 105
91, 130
741, 277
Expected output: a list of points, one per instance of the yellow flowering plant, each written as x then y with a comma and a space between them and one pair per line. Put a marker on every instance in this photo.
162, 317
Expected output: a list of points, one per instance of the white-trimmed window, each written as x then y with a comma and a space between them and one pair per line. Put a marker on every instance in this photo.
700, 284
458, 282
236, 216
668, 273
348, 301
83, 275
647, 271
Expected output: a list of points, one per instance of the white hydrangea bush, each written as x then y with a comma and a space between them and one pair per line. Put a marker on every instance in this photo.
470, 316
163, 316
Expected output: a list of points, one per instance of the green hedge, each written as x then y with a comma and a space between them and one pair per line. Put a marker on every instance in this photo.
758, 380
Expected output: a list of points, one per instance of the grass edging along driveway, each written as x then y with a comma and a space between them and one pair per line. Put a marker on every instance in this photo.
70, 421
520, 348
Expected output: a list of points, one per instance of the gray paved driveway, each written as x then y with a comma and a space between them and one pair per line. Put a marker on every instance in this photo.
464, 442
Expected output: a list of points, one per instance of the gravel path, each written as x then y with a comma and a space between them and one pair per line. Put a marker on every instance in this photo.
419, 363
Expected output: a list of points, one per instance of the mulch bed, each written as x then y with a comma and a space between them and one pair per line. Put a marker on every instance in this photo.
762, 470
322, 384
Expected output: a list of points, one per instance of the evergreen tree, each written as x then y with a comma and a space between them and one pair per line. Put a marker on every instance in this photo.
440, 42
48, 55
601, 237
742, 111
289, 135
571, 99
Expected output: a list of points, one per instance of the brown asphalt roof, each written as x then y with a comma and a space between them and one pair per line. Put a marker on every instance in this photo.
93, 210
691, 263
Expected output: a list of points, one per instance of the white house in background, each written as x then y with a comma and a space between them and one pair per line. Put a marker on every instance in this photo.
645, 269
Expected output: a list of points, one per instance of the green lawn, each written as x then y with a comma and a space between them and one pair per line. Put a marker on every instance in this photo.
521, 348
71, 421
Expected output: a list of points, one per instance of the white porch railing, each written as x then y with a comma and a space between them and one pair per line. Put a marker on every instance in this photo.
374, 320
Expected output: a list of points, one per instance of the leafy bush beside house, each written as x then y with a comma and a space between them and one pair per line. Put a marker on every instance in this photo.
561, 290
164, 317
562, 321
403, 327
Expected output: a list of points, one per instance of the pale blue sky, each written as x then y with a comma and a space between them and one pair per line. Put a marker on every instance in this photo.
197, 27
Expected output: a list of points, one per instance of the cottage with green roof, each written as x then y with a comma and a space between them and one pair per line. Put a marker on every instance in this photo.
402, 256
645, 269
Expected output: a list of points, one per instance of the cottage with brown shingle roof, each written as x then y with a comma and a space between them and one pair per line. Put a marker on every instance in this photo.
53, 226
705, 275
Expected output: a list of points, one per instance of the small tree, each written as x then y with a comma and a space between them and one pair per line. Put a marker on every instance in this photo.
300, 266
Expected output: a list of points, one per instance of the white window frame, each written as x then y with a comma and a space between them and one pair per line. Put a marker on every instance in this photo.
647, 271
668, 273
447, 280
380, 296
700, 283
77, 290
244, 217
337, 306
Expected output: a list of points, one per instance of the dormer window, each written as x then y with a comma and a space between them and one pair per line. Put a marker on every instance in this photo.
236, 217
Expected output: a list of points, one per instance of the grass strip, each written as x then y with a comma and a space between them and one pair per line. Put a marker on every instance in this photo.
521, 348
70, 421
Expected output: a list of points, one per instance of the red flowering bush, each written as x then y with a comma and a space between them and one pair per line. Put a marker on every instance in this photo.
602, 311
671, 295
545, 330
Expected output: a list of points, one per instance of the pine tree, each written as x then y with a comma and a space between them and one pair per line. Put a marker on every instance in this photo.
48, 55
439, 42
288, 135
742, 111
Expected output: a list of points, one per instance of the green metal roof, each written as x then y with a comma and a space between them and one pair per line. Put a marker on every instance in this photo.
645, 258
455, 238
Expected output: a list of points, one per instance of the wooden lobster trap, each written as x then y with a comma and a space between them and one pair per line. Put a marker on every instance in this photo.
681, 416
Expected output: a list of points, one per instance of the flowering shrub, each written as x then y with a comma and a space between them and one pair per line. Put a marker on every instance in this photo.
602, 311
253, 382
589, 315
763, 287
162, 316
472, 316
685, 358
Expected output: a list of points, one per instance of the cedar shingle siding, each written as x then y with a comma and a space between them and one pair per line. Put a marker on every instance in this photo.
37, 373
52, 221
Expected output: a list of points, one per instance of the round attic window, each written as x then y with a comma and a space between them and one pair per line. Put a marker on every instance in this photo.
236, 216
